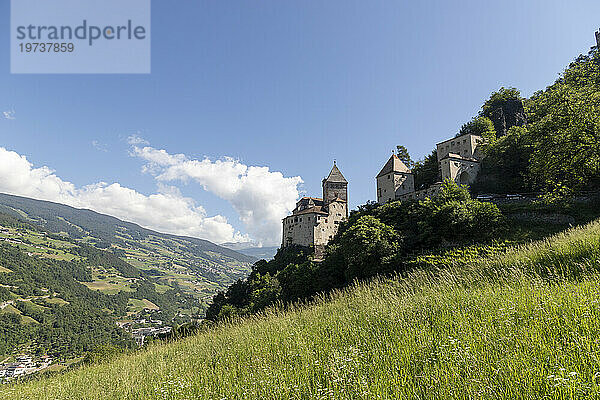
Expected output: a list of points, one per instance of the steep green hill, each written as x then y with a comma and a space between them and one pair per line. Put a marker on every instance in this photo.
198, 267
520, 323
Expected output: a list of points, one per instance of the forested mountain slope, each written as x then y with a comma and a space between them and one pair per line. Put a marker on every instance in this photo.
197, 266
62, 298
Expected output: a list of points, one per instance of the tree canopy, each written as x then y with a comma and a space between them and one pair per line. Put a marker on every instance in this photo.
377, 239
558, 151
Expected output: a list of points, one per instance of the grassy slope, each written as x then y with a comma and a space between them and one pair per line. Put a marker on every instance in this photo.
525, 324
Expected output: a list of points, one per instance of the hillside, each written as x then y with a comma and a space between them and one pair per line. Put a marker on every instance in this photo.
63, 298
198, 267
521, 322
262, 253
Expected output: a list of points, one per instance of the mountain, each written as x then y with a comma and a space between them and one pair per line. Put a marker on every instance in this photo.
197, 267
264, 253
64, 298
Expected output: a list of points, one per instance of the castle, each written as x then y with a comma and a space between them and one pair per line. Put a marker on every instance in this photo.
458, 160
315, 221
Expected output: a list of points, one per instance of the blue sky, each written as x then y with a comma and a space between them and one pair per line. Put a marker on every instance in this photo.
289, 86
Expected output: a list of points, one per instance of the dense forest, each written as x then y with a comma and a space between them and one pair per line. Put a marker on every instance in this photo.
549, 143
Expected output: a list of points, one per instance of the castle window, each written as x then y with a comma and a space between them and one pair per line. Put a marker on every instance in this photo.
388, 176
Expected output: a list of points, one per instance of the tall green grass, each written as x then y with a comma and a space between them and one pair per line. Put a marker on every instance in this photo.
524, 323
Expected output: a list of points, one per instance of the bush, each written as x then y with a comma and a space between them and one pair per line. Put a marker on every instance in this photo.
376, 239
453, 217
367, 246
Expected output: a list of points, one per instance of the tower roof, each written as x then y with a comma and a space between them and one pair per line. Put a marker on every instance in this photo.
394, 164
335, 175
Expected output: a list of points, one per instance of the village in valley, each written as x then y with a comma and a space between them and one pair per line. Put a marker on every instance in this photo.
141, 322
22, 365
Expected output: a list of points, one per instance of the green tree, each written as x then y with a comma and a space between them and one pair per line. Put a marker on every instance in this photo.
505, 166
566, 155
505, 109
427, 171
453, 217
564, 131
366, 247
404, 156
481, 126
264, 291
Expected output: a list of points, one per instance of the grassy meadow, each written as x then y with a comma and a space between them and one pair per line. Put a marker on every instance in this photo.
522, 322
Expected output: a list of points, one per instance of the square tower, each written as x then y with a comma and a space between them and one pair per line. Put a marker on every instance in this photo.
335, 186
394, 180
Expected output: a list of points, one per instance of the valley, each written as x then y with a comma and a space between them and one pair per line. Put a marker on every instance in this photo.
66, 292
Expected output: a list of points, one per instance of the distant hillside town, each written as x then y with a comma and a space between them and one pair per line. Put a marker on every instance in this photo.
23, 365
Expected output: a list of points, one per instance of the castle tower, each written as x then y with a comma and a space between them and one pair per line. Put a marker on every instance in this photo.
395, 179
335, 186
314, 222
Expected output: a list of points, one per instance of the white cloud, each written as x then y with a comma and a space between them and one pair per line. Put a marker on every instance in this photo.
166, 211
99, 146
9, 114
136, 139
261, 197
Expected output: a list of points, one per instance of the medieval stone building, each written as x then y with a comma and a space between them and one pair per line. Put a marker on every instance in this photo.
394, 180
458, 160
315, 221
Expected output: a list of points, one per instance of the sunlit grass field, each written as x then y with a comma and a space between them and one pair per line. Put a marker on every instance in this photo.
524, 323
